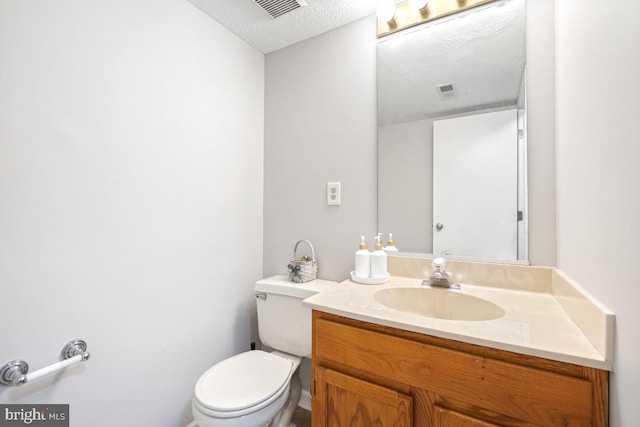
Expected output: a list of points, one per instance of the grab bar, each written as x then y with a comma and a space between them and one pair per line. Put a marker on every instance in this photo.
16, 372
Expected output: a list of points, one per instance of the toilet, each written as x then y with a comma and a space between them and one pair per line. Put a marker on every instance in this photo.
258, 388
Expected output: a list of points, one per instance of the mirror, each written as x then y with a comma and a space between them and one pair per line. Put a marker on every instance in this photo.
466, 64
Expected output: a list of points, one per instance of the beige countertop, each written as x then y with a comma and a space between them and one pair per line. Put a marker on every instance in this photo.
534, 322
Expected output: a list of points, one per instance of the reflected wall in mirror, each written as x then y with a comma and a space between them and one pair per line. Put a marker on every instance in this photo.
459, 67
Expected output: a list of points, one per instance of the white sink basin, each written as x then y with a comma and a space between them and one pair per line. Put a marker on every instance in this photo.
439, 303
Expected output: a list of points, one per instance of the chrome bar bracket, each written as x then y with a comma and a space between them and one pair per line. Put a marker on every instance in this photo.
73, 348
12, 371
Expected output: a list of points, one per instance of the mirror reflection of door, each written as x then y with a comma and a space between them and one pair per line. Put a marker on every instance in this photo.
475, 186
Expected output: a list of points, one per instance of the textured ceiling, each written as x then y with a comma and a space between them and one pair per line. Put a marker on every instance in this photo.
481, 53
251, 23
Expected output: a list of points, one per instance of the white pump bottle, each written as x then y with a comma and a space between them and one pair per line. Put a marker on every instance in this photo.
391, 246
363, 261
378, 261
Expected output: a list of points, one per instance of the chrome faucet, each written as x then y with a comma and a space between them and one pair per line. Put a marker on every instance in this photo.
439, 276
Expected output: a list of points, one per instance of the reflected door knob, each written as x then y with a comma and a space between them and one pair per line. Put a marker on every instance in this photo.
439, 226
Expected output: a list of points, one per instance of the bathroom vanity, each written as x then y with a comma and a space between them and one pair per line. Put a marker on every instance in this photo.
536, 365
367, 375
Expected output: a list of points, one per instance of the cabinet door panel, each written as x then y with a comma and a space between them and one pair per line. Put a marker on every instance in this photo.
447, 418
351, 402
532, 395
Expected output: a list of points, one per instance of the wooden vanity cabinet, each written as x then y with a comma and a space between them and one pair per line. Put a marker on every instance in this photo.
367, 375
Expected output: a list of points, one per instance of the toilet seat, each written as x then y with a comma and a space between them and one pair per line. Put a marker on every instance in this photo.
243, 383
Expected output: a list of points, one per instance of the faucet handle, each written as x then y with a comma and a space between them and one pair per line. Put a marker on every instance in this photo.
439, 264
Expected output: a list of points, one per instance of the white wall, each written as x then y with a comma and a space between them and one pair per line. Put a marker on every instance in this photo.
405, 184
541, 178
320, 126
598, 178
131, 172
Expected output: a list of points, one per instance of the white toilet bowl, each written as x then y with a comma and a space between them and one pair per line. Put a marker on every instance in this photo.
246, 390
256, 388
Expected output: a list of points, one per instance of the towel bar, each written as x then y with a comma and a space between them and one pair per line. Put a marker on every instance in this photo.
16, 372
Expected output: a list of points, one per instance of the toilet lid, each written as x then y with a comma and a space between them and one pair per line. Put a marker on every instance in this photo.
243, 381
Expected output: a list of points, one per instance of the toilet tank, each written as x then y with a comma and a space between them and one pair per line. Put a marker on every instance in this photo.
284, 323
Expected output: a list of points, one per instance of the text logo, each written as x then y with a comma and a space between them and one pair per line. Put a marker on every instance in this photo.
34, 415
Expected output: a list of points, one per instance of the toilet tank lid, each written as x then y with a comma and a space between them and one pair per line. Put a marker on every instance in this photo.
282, 285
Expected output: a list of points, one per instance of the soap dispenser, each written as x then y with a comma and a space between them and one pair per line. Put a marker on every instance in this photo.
391, 246
363, 260
378, 261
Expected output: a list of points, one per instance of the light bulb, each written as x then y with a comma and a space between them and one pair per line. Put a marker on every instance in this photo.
418, 4
386, 10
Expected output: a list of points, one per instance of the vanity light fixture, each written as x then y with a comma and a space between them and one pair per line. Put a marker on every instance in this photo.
417, 12
386, 12
418, 4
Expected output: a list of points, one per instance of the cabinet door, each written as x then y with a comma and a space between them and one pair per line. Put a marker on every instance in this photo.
344, 401
447, 418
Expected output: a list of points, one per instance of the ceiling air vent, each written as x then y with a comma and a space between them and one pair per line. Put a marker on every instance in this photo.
277, 8
446, 89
